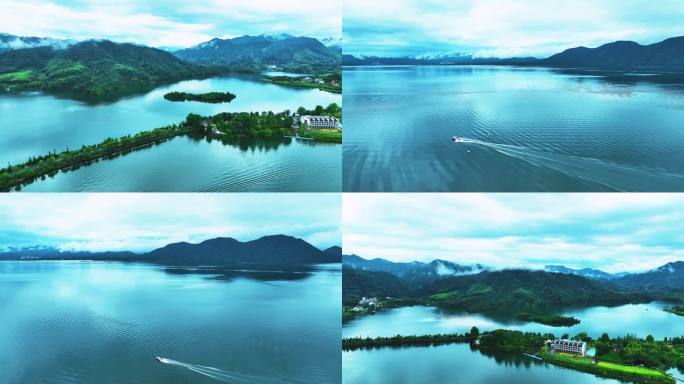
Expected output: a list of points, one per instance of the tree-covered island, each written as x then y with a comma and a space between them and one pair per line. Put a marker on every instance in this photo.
624, 358
209, 97
552, 320
233, 125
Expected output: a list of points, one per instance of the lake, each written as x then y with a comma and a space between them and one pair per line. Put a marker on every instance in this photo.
453, 364
458, 364
639, 319
525, 129
104, 322
34, 124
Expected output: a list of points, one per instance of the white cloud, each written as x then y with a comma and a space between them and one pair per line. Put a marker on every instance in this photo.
506, 28
144, 221
518, 230
171, 23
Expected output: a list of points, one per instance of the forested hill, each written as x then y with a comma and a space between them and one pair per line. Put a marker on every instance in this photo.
275, 250
665, 55
94, 69
258, 52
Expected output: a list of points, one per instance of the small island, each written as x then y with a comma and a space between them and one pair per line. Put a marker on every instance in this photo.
209, 97
677, 310
552, 320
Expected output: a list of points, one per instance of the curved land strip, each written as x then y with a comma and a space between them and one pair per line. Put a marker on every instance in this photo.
330, 82
677, 310
224, 125
209, 97
627, 358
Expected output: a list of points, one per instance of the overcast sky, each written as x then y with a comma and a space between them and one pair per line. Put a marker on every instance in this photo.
503, 28
174, 23
138, 222
612, 232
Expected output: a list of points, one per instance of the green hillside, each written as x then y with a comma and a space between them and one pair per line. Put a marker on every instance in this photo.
94, 69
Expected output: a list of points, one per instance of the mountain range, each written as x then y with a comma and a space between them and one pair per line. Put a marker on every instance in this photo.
275, 250
478, 288
283, 51
414, 272
102, 69
667, 55
94, 69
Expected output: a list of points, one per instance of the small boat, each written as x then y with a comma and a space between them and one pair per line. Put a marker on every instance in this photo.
162, 360
457, 139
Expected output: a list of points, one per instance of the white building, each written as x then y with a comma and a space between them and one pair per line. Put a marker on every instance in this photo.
319, 122
569, 346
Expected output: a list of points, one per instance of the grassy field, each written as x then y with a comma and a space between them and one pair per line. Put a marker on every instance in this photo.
16, 77
327, 135
635, 374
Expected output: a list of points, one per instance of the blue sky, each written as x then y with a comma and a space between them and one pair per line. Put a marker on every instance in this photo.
503, 28
175, 23
138, 222
613, 232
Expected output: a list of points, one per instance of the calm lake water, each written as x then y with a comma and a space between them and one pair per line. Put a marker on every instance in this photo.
34, 124
458, 364
452, 364
529, 129
639, 319
190, 165
97, 322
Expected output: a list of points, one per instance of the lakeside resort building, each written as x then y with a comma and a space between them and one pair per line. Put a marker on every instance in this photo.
318, 122
568, 346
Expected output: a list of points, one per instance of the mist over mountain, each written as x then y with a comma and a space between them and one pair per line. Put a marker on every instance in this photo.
10, 42
585, 272
414, 272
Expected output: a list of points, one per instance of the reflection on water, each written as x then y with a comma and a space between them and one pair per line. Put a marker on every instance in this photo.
634, 319
104, 322
456, 364
187, 164
553, 130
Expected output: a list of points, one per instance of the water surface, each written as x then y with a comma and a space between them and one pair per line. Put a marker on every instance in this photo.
34, 124
97, 322
530, 129
634, 319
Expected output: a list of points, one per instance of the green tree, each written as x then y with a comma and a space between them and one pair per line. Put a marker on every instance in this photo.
194, 122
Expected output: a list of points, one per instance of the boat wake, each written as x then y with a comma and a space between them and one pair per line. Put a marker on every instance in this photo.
620, 177
224, 376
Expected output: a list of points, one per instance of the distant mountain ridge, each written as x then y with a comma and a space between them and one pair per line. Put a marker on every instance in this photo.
275, 250
585, 272
283, 51
414, 272
667, 55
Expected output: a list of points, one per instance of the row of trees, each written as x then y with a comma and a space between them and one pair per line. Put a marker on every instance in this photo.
353, 343
40, 166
